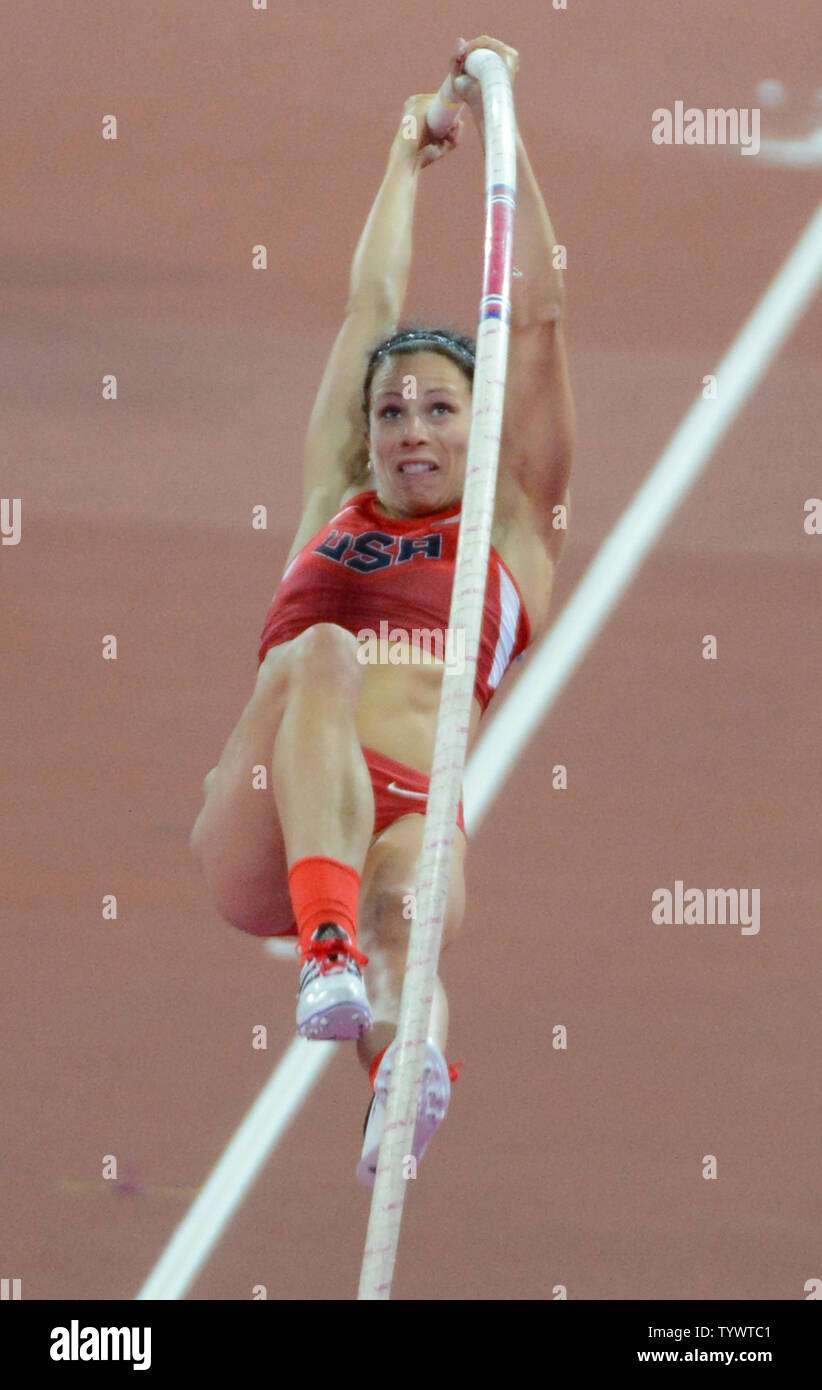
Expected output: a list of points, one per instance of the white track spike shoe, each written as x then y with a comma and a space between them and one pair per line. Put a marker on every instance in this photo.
435, 1095
331, 1002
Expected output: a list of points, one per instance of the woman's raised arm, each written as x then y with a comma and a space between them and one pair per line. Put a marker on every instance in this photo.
335, 444
539, 424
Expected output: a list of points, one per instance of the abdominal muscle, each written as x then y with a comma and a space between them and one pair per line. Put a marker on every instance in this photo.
399, 706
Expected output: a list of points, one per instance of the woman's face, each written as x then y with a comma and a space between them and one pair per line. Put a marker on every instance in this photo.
420, 419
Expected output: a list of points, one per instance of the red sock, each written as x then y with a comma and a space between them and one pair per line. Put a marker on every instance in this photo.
374, 1068
323, 890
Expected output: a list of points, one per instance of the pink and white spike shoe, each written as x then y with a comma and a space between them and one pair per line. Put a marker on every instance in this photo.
433, 1103
332, 1002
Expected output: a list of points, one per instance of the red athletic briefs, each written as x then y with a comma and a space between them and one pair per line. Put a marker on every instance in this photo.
398, 790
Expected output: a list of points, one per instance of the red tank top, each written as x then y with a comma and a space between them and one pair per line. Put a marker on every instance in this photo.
392, 577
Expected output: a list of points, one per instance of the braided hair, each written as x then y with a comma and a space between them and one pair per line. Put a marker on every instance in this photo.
417, 338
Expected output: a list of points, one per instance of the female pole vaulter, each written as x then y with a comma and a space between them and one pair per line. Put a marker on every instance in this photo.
330, 852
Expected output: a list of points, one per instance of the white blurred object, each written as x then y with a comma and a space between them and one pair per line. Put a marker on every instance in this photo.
282, 948
794, 154
771, 92
791, 150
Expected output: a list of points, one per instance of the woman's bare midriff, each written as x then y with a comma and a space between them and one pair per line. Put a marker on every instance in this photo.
399, 706
399, 701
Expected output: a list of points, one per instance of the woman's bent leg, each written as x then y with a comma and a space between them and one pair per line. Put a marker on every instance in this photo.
389, 876
321, 782
300, 726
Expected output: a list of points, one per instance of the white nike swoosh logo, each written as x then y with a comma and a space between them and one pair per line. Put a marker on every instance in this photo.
403, 791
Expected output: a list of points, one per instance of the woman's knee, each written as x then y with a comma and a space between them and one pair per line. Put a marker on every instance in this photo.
244, 866
385, 917
259, 908
324, 652
389, 900
387, 914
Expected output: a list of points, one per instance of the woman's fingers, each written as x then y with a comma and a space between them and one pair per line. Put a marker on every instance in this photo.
467, 88
509, 55
425, 146
458, 55
431, 149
